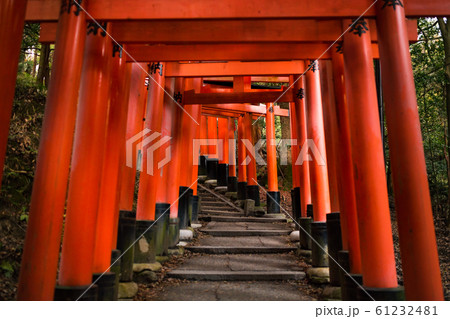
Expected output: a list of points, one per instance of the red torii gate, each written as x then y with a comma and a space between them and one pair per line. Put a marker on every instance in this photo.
419, 253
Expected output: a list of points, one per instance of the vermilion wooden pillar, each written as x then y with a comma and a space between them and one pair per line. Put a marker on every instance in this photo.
86, 167
43, 240
377, 251
204, 135
135, 126
301, 160
345, 177
223, 124
108, 212
195, 112
212, 135
222, 169
169, 184
330, 129
272, 177
232, 147
148, 179
252, 179
273, 195
185, 137
320, 194
242, 154
212, 161
190, 125
295, 191
294, 145
420, 261
12, 17
196, 148
251, 166
223, 136
232, 178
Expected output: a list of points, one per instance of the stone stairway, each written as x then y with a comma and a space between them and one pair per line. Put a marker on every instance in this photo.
238, 257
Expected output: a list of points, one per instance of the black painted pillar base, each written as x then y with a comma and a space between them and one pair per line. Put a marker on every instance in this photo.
174, 232
222, 175
334, 246
319, 245
105, 284
202, 165
195, 200
162, 216
126, 235
273, 202
305, 232
232, 184
344, 262
309, 211
381, 294
81, 293
242, 190
144, 248
115, 268
296, 204
183, 207
190, 203
349, 287
253, 193
212, 167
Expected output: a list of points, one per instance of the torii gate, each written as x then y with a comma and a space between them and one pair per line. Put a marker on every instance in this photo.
358, 121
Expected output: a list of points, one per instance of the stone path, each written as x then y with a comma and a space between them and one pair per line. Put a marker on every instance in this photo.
242, 258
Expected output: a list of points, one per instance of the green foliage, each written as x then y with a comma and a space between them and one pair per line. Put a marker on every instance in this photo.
277, 127
429, 74
7, 268
23, 143
30, 41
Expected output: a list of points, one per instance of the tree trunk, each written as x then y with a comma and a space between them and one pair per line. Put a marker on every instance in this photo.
33, 71
44, 65
445, 31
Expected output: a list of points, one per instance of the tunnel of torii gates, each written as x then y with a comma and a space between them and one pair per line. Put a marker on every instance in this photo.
101, 101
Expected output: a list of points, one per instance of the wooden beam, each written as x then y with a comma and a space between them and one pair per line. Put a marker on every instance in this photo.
227, 31
198, 70
283, 79
228, 52
190, 97
243, 108
232, 52
231, 31
219, 113
48, 10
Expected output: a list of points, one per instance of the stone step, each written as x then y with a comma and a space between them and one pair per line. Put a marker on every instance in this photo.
234, 291
239, 250
240, 232
219, 212
214, 202
217, 207
221, 218
207, 196
227, 275
246, 241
